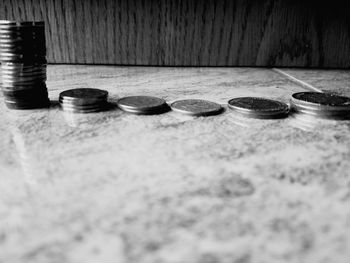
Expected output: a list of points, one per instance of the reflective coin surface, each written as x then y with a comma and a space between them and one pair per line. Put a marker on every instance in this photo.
83, 94
83, 100
255, 107
142, 105
196, 107
320, 99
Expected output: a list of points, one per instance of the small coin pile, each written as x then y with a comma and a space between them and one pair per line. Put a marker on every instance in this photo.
321, 105
259, 108
145, 105
23, 64
83, 100
195, 107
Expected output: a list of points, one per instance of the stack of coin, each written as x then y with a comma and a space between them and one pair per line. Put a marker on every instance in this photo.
259, 108
83, 100
23, 64
145, 105
195, 107
321, 105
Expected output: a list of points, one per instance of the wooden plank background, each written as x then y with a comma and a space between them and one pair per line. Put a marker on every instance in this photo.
191, 32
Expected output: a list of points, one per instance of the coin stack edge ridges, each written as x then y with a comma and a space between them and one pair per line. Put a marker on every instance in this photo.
321, 105
23, 64
83, 100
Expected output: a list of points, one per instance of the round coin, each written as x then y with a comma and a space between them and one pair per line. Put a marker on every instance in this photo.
86, 106
9, 23
17, 88
21, 73
24, 77
320, 101
27, 107
259, 108
97, 109
196, 107
83, 95
142, 105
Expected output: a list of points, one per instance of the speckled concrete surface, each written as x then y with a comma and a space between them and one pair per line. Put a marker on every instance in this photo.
112, 187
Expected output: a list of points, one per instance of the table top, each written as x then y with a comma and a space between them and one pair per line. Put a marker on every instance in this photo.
116, 187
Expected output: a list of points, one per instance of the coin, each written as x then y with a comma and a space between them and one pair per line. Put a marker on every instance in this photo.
19, 73
16, 106
75, 107
83, 100
259, 108
196, 107
22, 65
142, 105
16, 88
317, 100
321, 105
84, 95
31, 82
82, 111
27, 77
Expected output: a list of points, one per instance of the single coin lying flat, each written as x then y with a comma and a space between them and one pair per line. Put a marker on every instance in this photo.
259, 108
143, 105
196, 107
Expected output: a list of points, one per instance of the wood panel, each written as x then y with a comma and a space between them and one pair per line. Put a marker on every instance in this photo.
191, 32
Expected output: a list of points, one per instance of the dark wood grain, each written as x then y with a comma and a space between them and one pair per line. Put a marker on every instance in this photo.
191, 32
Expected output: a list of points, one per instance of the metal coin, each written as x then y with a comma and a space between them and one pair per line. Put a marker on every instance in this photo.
27, 35
37, 89
22, 60
82, 111
260, 108
28, 98
20, 73
15, 106
21, 56
160, 110
320, 109
81, 103
18, 87
27, 77
34, 49
22, 82
21, 27
11, 87
320, 101
22, 65
22, 23
195, 107
323, 115
141, 104
27, 101
84, 95
15, 70
96, 108
21, 41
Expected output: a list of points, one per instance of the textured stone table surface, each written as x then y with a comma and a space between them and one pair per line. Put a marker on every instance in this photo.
113, 187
